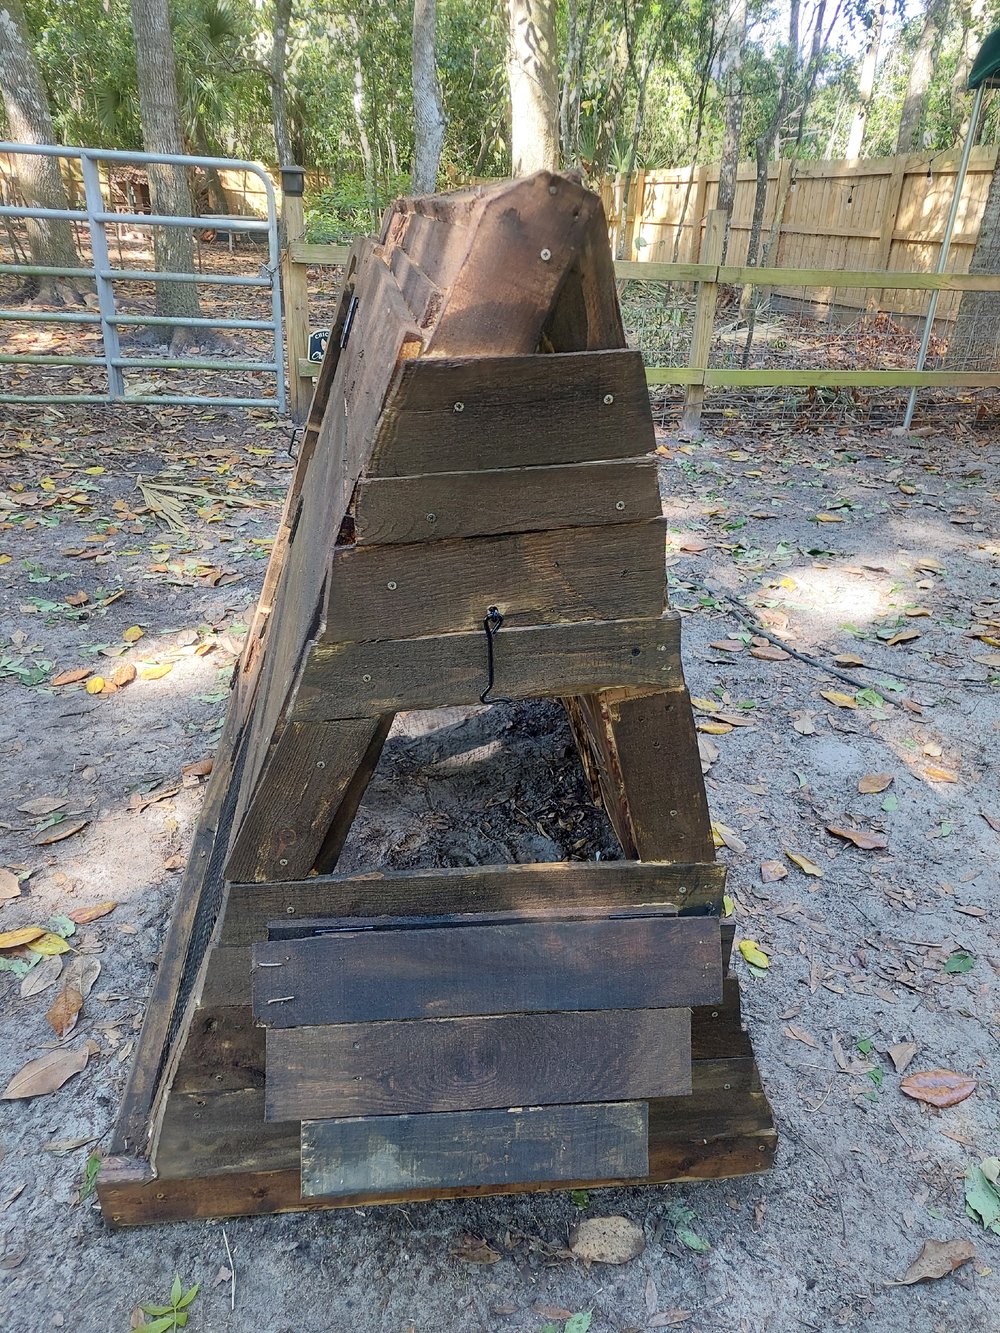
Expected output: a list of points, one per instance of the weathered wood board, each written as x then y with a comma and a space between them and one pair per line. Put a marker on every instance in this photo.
443, 970
471, 1064
453, 1149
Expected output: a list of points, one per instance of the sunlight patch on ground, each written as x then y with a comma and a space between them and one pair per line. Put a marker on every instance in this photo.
828, 598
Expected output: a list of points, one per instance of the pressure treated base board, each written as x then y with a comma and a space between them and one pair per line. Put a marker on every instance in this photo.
687, 1141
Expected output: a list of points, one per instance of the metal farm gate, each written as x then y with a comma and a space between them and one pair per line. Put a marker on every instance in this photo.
107, 316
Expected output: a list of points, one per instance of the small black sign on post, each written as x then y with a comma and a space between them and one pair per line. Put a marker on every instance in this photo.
317, 344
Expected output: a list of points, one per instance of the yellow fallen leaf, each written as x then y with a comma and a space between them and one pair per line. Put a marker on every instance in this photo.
48, 944
940, 774
13, 939
803, 863
829, 518
714, 728
94, 471
788, 584
95, 685
155, 672
706, 705
839, 698
725, 837
6, 559
133, 635
728, 906
753, 953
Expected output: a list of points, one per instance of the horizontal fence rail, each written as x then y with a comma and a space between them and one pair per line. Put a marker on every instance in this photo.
697, 376
100, 272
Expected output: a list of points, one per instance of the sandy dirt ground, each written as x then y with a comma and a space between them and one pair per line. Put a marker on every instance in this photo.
838, 541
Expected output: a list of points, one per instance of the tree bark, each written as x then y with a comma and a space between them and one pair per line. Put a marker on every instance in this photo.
732, 47
39, 180
911, 120
866, 86
428, 114
532, 66
360, 123
169, 193
973, 343
276, 70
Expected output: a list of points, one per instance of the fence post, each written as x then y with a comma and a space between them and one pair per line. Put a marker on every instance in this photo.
697, 213
294, 284
890, 216
704, 318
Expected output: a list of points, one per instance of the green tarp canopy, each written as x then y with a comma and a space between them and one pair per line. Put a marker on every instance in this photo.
986, 66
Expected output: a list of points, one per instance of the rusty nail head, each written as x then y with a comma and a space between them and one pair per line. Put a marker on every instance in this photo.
545, 255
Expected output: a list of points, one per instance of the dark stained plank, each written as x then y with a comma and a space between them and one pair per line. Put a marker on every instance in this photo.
604, 573
462, 414
565, 884
459, 1064
713, 1133
391, 510
505, 1147
644, 752
297, 795
585, 315
531, 661
441, 971
525, 240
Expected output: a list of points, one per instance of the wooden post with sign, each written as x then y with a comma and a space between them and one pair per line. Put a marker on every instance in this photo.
474, 519
295, 289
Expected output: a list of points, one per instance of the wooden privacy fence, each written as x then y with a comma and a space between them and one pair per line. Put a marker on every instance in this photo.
856, 214
708, 274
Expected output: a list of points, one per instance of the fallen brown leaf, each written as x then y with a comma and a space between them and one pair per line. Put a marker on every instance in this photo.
70, 677
41, 977
938, 1087
84, 915
728, 645
868, 842
937, 1259
64, 1011
800, 1034
13, 939
874, 782
769, 652
772, 871
474, 1250
901, 1054
60, 831
10, 885
49, 1072
123, 674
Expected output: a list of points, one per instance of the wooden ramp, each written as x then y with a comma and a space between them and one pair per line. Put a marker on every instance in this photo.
474, 517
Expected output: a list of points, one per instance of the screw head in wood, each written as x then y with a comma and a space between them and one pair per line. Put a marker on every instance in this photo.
609, 398
391, 585
715, 1013
283, 861
620, 504
290, 911
661, 647
552, 189
366, 678
673, 814
545, 255
431, 518
459, 407
321, 763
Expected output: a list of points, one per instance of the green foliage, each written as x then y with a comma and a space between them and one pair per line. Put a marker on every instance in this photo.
167, 1318
982, 1196
348, 208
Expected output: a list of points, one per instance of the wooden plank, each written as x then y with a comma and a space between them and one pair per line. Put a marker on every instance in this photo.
295, 292
702, 329
873, 278
858, 378
302, 252
525, 239
627, 270
567, 884
500, 500
472, 1064
457, 970
298, 793
603, 573
532, 661
448, 1149
465, 413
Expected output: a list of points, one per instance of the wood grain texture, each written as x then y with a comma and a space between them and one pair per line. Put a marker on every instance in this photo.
566, 884
459, 1064
391, 510
531, 661
505, 1147
604, 573
453, 970
297, 795
513, 411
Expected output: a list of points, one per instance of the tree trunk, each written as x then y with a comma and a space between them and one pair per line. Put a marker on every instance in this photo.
973, 343
276, 71
428, 114
50, 242
173, 247
732, 47
911, 120
866, 86
358, 108
532, 66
